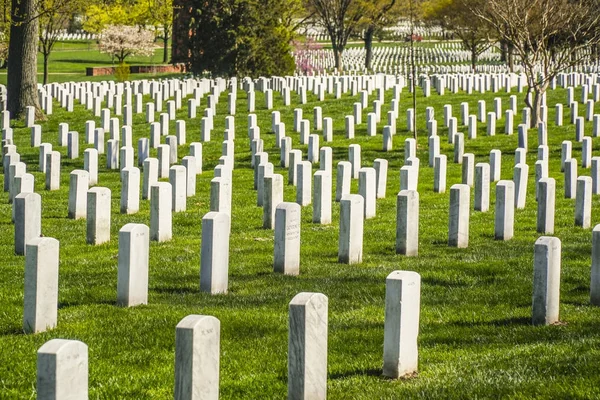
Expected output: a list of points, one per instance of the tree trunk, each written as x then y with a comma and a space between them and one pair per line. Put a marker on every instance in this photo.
46, 56
337, 54
474, 58
165, 47
22, 59
536, 107
369, 33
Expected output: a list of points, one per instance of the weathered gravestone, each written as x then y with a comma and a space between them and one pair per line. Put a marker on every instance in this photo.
351, 229
62, 370
407, 223
98, 215
53, 170
343, 181
307, 347
504, 218
272, 197
286, 258
90, 164
595, 275
583, 202
28, 220
304, 183
439, 174
161, 220
401, 328
130, 190
134, 254
214, 257
41, 285
367, 188
220, 195
197, 358
458, 225
482, 187
322, 197
178, 179
546, 280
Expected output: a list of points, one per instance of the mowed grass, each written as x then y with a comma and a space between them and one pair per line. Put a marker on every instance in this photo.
476, 339
69, 59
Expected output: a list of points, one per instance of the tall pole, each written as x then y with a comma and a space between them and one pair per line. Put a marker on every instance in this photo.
413, 85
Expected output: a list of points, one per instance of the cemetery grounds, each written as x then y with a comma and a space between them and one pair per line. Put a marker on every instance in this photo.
476, 338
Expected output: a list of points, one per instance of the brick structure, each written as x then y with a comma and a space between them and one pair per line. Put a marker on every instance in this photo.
137, 69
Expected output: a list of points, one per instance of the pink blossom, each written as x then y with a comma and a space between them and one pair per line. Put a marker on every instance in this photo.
122, 41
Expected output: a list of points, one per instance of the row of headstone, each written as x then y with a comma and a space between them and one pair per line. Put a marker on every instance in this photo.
62, 365
303, 197
469, 168
88, 93
482, 197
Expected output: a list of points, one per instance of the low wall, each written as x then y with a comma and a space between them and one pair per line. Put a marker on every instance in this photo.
137, 69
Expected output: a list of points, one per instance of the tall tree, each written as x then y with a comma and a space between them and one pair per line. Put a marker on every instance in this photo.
340, 18
25, 19
377, 15
241, 37
4, 32
98, 16
159, 14
266, 50
459, 17
212, 42
549, 36
54, 16
22, 58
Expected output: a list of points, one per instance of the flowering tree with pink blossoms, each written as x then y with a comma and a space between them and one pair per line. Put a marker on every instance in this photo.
305, 53
122, 41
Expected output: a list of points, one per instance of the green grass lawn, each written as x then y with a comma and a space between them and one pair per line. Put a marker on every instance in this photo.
69, 59
476, 339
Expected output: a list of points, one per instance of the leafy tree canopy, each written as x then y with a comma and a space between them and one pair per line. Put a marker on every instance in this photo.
242, 37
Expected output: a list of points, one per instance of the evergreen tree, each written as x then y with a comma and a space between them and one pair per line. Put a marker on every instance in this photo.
241, 37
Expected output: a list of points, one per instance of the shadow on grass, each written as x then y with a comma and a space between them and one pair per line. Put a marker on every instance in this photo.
444, 282
177, 290
259, 274
579, 288
359, 372
582, 304
496, 322
231, 300
12, 331
68, 304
